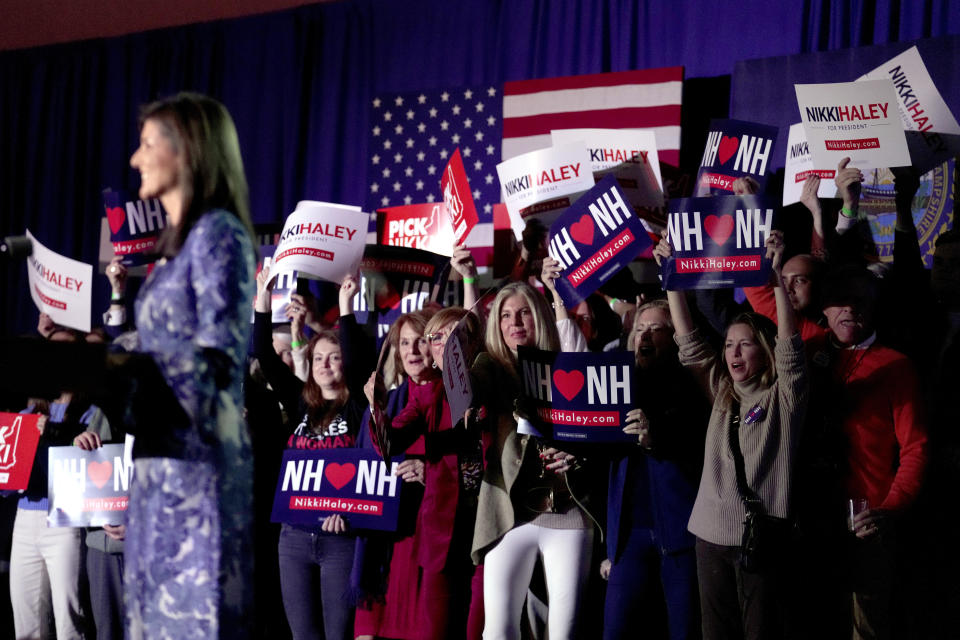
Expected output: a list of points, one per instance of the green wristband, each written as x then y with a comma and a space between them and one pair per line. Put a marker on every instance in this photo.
296, 344
469, 280
848, 213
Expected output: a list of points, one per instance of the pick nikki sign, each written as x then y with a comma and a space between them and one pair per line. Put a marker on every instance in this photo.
718, 242
458, 198
88, 488
582, 397
355, 483
19, 437
417, 226
735, 149
134, 226
595, 238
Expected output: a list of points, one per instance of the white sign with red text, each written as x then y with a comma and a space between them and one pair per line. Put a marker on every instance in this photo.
799, 165
631, 156
921, 109
542, 184
60, 286
322, 240
858, 120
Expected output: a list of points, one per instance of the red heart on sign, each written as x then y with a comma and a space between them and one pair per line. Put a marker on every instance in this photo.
100, 473
582, 230
728, 147
568, 383
116, 216
719, 228
340, 474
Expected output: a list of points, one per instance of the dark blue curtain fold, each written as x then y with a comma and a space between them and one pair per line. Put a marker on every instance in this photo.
299, 84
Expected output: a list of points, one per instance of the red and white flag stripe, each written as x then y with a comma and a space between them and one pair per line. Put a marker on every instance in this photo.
644, 99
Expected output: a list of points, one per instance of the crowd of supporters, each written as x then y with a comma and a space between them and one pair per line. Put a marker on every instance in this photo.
817, 414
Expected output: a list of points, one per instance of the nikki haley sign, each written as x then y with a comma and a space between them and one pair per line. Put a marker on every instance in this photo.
735, 149
858, 120
581, 397
355, 483
717, 242
595, 238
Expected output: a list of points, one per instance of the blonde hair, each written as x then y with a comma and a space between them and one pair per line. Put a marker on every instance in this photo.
544, 325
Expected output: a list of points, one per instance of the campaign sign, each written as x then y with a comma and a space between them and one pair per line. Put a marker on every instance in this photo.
456, 373
718, 242
19, 437
322, 240
933, 132
631, 156
594, 239
59, 286
735, 149
799, 166
581, 397
394, 281
541, 184
458, 198
418, 226
356, 483
134, 225
858, 120
284, 286
88, 488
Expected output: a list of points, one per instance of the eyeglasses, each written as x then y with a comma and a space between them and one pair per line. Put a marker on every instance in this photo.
436, 339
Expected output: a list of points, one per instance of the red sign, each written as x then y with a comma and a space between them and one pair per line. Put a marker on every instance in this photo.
418, 226
19, 436
458, 198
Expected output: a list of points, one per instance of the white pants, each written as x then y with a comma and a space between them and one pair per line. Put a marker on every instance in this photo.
40, 557
507, 570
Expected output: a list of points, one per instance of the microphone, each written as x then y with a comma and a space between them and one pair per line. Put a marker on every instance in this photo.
15, 248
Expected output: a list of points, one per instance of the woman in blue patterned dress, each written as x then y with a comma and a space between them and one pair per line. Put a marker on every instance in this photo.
188, 544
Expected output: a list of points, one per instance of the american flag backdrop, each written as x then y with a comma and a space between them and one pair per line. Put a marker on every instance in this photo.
413, 135
643, 99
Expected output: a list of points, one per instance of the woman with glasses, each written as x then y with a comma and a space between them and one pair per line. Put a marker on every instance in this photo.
449, 586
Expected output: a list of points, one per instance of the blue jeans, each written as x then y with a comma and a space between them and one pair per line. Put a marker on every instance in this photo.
645, 584
315, 570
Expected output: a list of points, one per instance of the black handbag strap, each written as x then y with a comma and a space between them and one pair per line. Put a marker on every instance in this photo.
750, 499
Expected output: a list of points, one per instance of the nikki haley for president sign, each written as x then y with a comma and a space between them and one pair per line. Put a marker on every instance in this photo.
717, 242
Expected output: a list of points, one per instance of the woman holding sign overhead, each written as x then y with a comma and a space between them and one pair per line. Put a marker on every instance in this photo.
758, 386
315, 562
526, 506
187, 562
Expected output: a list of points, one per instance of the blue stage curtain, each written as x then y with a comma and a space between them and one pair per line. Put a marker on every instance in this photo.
299, 84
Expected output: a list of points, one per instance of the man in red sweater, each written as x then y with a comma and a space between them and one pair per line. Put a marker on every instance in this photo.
877, 401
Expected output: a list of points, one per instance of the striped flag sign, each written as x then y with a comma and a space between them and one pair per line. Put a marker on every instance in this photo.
644, 99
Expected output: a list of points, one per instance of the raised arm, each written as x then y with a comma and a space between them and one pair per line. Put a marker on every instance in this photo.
679, 310
284, 382
463, 263
786, 318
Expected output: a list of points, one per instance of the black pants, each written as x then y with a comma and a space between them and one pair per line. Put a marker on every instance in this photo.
105, 574
735, 603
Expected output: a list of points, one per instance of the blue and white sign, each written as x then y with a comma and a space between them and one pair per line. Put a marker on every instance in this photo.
594, 239
735, 149
718, 242
355, 483
579, 397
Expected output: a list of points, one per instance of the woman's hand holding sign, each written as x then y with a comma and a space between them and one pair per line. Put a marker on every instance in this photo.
639, 425
334, 524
